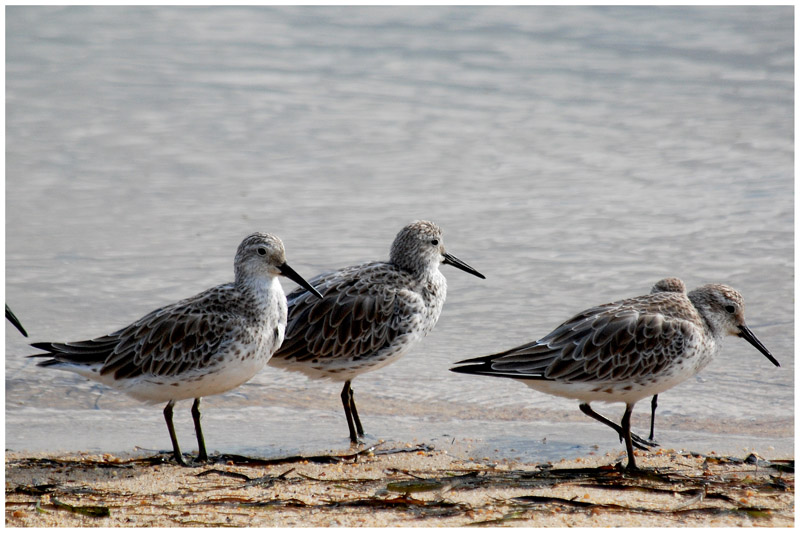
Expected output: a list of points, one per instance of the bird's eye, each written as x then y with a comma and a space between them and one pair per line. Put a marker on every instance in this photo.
435, 242
730, 308
262, 251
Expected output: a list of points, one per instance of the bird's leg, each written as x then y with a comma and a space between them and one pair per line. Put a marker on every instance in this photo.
347, 402
653, 405
626, 429
176, 450
639, 442
356, 419
201, 442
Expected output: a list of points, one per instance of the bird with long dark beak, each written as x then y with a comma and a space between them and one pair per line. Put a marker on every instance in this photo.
207, 344
625, 351
369, 315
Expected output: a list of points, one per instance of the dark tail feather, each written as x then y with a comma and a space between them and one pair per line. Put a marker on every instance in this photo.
482, 366
11, 317
474, 365
82, 352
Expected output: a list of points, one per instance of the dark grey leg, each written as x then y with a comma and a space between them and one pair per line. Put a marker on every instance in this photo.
353, 423
176, 450
626, 429
639, 442
201, 442
356, 419
653, 405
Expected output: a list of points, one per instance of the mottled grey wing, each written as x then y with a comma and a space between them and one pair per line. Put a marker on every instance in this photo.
167, 341
607, 343
354, 318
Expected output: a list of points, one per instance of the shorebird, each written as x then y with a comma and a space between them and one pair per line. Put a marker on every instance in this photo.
626, 350
11, 317
207, 344
369, 315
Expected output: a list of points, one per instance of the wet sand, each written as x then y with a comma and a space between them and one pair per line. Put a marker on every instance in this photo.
398, 484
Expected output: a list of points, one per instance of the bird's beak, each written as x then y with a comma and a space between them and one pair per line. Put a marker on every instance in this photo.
746, 334
461, 265
289, 272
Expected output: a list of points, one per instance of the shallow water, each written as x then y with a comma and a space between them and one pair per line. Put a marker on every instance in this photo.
573, 155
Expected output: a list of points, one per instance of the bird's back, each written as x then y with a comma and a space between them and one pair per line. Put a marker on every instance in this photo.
368, 315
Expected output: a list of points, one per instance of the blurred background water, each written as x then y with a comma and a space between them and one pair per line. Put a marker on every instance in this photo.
574, 155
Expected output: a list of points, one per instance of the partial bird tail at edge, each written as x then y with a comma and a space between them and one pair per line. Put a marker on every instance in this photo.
482, 366
80, 353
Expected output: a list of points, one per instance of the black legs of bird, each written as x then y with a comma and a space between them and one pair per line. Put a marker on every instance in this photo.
201, 442
631, 440
351, 413
176, 449
653, 405
202, 456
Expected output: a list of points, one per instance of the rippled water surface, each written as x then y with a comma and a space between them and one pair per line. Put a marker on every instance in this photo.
573, 155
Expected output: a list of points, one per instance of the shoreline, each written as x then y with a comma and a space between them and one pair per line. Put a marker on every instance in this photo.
398, 484
247, 425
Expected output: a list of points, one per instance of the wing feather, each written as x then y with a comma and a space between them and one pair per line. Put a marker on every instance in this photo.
171, 339
353, 319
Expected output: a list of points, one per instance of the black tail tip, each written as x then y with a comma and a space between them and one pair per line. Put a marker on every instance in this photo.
466, 369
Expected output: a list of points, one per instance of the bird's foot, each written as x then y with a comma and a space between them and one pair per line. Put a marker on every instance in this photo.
640, 443
179, 459
629, 468
200, 460
355, 443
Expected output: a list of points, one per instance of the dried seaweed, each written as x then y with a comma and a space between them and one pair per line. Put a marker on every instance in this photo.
702, 486
562, 502
232, 459
236, 475
33, 490
95, 511
241, 460
438, 506
242, 501
696, 489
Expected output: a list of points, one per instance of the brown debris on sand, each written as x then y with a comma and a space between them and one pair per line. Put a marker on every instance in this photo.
404, 486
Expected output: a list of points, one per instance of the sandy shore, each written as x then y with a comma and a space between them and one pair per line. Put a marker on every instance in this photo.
397, 484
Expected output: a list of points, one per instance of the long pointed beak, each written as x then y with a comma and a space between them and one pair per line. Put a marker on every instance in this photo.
458, 263
11, 317
289, 272
746, 334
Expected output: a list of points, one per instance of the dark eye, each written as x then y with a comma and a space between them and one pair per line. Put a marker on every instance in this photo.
730, 308
262, 251
434, 242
